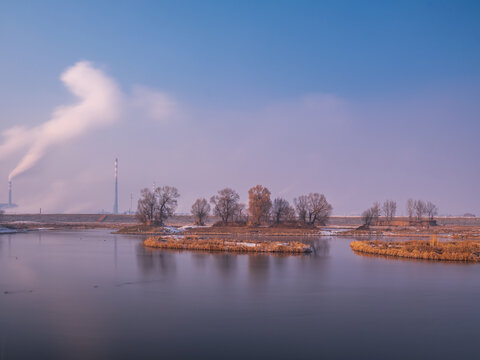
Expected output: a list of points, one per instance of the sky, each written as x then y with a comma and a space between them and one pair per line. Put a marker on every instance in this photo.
362, 101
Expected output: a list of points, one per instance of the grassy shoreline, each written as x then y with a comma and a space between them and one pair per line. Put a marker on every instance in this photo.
461, 251
212, 245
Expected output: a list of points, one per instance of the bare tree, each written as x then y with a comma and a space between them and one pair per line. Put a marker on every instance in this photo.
368, 217
371, 215
376, 211
147, 207
410, 208
200, 211
167, 202
281, 210
389, 209
155, 207
319, 209
301, 205
420, 209
240, 215
259, 204
431, 210
225, 204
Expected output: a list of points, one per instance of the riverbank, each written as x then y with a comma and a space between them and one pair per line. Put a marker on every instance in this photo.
213, 245
453, 232
464, 250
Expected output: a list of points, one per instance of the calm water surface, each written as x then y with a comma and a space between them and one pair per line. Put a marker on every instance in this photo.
93, 295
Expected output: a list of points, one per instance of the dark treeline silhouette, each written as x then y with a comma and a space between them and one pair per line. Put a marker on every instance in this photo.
155, 207
417, 210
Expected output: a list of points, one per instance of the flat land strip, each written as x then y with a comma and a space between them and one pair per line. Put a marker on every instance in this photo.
464, 251
201, 244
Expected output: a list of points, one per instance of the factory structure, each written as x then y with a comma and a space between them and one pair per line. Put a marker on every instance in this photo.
10, 203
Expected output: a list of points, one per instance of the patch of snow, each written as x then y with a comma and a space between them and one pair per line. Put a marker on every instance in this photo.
187, 227
248, 244
172, 229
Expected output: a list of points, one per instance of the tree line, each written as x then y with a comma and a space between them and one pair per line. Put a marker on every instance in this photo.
416, 210
157, 205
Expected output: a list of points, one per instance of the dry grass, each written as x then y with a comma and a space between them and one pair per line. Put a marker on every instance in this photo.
142, 230
466, 251
195, 243
247, 230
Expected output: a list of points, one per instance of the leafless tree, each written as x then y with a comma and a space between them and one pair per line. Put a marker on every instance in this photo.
281, 210
167, 202
200, 211
420, 209
301, 205
155, 207
376, 211
371, 215
225, 204
240, 215
368, 217
410, 208
259, 204
389, 209
319, 209
147, 207
431, 210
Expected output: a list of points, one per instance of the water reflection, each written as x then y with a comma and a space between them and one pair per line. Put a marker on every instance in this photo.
180, 304
258, 270
226, 264
153, 260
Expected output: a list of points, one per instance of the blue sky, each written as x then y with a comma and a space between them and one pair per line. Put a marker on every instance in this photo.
360, 100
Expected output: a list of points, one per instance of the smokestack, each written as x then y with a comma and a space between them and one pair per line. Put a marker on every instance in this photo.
115, 204
10, 193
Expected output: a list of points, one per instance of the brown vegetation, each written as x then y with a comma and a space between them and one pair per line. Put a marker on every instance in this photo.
200, 210
466, 251
142, 230
226, 204
200, 244
313, 208
286, 229
259, 204
154, 208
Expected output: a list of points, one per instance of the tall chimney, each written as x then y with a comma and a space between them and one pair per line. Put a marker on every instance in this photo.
10, 193
115, 204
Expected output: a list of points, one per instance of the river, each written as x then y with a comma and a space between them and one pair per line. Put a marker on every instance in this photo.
94, 295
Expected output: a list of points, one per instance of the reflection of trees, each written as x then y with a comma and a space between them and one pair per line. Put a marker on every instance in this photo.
226, 263
321, 247
151, 260
9, 237
200, 258
258, 270
115, 251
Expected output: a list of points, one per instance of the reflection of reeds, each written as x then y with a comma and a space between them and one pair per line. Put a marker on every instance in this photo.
467, 251
195, 243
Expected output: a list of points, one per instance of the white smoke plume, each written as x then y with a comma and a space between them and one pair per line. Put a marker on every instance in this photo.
98, 105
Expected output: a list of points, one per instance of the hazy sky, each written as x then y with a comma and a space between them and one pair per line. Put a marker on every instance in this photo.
359, 100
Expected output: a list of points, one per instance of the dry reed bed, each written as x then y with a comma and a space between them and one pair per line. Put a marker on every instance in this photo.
194, 243
466, 251
252, 231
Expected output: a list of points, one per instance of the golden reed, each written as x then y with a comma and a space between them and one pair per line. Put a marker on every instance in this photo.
192, 243
465, 250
